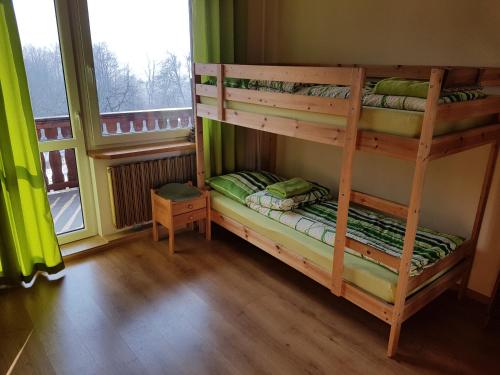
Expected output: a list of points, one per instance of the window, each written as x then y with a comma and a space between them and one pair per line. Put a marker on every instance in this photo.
42, 59
142, 65
62, 149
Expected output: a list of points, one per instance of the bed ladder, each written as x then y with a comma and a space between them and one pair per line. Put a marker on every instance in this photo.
410, 212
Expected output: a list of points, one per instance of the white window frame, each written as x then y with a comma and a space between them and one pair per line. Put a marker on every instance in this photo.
90, 106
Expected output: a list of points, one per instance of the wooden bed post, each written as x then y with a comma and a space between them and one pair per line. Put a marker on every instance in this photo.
198, 126
345, 182
478, 221
422, 160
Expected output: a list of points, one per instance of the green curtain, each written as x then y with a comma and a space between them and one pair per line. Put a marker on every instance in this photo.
28, 241
213, 42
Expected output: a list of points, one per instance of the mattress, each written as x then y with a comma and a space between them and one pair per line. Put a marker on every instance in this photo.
383, 120
371, 277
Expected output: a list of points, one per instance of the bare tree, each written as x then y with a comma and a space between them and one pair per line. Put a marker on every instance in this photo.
117, 88
166, 83
175, 86
46, 81
151, 84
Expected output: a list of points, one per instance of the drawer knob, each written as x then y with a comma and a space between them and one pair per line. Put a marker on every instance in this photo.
190, 218
190, 205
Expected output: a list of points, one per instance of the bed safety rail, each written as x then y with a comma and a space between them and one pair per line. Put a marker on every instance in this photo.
390, 145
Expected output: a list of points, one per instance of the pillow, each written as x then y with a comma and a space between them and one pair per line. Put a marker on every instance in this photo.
239, 185
266, 200
402, 87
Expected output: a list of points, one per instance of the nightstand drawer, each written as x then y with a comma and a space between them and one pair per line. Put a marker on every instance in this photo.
189, 217
188, 206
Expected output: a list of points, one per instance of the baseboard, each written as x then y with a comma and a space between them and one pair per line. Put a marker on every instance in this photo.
79, 249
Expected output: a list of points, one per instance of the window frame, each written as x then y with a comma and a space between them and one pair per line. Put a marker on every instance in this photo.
80, 30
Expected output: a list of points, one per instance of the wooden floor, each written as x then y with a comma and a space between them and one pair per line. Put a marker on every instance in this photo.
221, 308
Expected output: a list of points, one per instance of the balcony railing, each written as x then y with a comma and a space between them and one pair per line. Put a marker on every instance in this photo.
59, 167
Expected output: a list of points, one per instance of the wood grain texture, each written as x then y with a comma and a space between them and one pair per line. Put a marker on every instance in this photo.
221, 308
472, 108
142, 150
317, 104
301, 74
379, 204
345, 180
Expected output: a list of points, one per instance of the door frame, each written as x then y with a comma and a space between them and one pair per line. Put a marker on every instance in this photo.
77, 142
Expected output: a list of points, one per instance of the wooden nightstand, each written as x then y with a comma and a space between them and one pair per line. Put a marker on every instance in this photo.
179, 214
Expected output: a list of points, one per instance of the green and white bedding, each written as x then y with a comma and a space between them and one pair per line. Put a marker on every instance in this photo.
388, 93
239, 185
265, 199
411, 103
383, 233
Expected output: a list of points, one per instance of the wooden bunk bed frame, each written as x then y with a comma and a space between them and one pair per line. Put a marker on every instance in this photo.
350, 138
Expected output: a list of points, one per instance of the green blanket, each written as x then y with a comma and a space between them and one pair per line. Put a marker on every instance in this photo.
381, 232
289, 188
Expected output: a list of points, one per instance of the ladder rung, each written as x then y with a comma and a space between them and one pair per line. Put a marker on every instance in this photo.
380, 204
373, 253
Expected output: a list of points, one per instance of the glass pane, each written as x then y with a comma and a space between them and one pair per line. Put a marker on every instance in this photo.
36, 20
142, 64
61, 178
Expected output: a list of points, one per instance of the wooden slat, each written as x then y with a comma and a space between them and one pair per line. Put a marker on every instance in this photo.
367, 302
373, 253
459, 77
198, 128
345, 181
384, 205
299, 74
457, 256
275, 249
220, 92
205, 69
471, 108
485, 189
206, 111
414, 206
461, 141
489, 77
481, 207
315, 104
288, 127
432, 291
455, 76
206, 90
387, 144
401, 71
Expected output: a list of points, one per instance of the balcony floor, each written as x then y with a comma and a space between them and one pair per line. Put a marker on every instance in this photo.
66, 210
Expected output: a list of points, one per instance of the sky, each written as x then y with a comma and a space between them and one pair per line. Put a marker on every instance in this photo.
137, 31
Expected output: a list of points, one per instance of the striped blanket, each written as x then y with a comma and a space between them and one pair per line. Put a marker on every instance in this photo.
381, 232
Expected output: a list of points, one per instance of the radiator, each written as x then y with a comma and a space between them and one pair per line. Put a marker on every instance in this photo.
130, 185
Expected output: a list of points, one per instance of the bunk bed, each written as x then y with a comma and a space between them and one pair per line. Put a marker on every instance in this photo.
442, 129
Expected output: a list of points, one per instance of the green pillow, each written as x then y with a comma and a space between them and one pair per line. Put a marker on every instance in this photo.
239, 185
402, 87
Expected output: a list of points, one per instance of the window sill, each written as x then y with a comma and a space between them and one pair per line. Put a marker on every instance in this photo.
149, 149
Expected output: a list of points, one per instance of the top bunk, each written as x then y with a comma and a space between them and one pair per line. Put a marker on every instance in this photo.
316, 104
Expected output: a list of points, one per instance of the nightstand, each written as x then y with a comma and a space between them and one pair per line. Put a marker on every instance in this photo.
174, 211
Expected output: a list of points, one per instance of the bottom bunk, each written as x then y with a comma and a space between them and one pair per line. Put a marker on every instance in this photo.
313, 257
